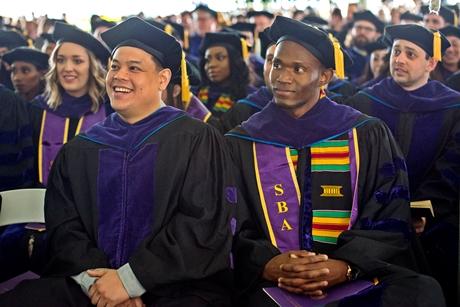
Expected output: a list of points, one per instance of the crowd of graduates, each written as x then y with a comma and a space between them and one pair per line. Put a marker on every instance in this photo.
297, 145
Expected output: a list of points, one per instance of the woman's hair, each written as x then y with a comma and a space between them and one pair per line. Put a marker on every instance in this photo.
239, 73
96, 80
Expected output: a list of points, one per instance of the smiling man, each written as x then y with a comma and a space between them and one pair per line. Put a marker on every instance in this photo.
325, 188
424, 117
135, 214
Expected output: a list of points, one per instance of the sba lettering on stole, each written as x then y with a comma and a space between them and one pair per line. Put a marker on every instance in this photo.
282, 206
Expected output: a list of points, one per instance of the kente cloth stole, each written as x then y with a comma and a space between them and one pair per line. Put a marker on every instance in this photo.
334, 187
223, 103
53, 134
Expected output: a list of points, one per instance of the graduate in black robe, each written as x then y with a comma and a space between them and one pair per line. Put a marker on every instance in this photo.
424, 117
16, 150
224, 72
254, 102
454, 82
132, 208
318, 177
9, 40
16, 172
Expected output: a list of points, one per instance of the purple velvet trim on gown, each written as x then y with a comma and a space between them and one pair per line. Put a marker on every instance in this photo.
71, 106
431, 97
259, 99
325, 120
125, 200
114, 132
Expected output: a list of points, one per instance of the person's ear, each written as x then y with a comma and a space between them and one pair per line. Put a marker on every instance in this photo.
164, 77
326, 77
431, 65
176, 90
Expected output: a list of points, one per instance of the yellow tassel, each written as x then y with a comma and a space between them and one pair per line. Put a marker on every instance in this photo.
186, 43
338, 58
169, 29
455, 20
244, 49
185, 84
437, 46
256, 47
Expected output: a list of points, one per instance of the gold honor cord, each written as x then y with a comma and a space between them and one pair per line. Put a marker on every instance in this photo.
80, 123
292, 170
262, 197
40, 149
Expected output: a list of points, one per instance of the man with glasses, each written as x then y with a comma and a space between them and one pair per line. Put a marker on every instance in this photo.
366, 29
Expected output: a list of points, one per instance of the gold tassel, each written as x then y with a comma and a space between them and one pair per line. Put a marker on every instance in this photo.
437, 46
244, 49
185, 84
186, 43
455, 20
338, 57
169, 29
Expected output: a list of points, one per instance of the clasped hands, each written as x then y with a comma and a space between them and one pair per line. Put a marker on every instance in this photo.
306, 273
108, 290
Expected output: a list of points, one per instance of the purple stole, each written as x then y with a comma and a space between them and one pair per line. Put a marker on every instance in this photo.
197, 109
53, 134
280, 194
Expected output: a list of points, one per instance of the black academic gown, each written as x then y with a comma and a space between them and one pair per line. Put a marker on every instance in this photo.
242, 110
378, 242
426, 125
157, 195
454, 82
16, 150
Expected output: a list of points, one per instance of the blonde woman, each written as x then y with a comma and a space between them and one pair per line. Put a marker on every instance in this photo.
73, 101
74, 96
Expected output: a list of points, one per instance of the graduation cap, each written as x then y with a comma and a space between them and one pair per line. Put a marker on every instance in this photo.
265, 41
260, 13
450, 31
410, 16
137, 33
11, 39
64, 32
315, 20
182, 33
447, 14
380, 44
433, 42
323, 46
205, 8
368, 16
227, 39
162, 26
48, 37
29, 55
244, 27
97, 21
